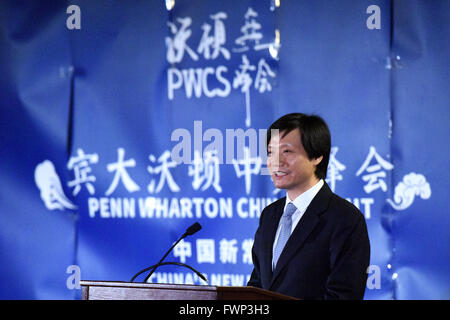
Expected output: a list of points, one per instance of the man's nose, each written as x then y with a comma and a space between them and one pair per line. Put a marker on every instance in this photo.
278, 160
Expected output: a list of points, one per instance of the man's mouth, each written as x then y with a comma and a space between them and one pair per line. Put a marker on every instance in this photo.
280, 173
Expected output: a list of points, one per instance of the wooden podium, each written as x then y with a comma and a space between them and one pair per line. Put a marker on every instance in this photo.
114, 290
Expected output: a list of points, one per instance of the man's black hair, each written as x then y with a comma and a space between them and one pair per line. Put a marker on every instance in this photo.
314, 133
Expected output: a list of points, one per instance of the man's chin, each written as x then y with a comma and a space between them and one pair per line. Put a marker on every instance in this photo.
280, 185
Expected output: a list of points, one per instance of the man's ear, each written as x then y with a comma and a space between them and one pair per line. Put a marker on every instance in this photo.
316, 161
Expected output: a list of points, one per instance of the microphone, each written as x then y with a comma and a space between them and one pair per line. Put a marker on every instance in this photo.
189, 232
192, 229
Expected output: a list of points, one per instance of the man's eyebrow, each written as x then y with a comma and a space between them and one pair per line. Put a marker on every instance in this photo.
284, 144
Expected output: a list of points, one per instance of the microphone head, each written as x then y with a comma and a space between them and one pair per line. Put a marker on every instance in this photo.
193, 229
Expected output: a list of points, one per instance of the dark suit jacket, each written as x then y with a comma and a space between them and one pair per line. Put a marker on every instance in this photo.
326, 256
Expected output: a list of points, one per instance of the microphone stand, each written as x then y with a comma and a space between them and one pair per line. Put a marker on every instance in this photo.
160, 261
169, 263
189, 231
155, 266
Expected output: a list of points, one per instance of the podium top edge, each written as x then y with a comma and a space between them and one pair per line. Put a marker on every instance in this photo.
97, 283
223, 289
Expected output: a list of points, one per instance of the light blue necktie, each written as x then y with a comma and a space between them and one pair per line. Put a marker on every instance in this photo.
286, 226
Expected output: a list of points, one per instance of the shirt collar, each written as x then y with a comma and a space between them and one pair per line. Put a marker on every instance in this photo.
302, 201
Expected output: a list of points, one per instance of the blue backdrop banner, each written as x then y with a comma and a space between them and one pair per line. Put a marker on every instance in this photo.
124, 122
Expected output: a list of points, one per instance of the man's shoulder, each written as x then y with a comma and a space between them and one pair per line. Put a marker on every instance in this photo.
344, 209
276, 204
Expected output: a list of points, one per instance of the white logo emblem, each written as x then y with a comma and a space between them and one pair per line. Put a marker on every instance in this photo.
49, 184
413, 184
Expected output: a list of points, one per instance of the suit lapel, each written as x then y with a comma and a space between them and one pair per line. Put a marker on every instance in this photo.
271, 230
305, 226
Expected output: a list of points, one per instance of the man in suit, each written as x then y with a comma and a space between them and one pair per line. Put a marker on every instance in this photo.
312, 244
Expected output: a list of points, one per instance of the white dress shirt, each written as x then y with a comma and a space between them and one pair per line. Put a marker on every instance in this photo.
301, 203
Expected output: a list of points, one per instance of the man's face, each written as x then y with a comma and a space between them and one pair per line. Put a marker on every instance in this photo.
289, 165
